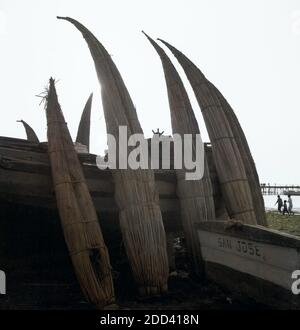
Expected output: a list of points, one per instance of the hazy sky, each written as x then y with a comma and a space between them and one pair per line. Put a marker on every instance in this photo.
250, 49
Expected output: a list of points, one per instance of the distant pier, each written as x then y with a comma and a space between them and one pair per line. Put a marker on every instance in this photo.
268, 189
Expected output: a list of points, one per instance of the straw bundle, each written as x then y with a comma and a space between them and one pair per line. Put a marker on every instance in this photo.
83, 133
229, 163
135, 190
251, 172
77, 213
196, 197
31, 136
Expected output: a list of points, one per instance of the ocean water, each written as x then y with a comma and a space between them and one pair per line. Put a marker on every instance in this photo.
270, 201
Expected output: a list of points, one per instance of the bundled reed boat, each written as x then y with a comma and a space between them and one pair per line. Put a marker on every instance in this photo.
78, 216
83, 133
248, 161
30, 133
195, 196
135, 192
226, 150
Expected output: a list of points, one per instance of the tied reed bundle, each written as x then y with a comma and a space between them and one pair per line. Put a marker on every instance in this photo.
77, 213
228, 160
196, 197
30, 133
135, 191
83, 133
251, 172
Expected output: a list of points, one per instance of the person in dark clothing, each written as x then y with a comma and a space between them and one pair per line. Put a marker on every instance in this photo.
285, 208
279, 202
290, 205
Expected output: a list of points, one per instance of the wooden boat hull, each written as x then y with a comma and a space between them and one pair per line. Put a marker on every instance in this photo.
252, 261
25, 179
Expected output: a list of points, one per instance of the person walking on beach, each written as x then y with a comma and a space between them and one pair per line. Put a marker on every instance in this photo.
285, 208
279, 202
290, 208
